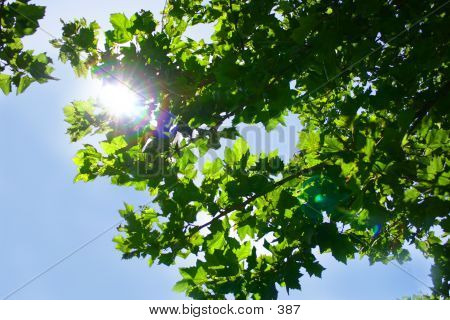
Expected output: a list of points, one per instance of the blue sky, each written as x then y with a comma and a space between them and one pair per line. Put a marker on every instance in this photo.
45, 215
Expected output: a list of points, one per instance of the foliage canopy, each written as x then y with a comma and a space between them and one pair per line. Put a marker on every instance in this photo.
19, 67
367, 79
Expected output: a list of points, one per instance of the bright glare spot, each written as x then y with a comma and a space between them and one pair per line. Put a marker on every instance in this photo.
119, 100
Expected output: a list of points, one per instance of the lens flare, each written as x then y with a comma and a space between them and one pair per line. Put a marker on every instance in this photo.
376, 229
319, 198
119, 100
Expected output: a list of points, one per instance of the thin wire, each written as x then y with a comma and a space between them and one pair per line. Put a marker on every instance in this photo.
307, 94
351, 67
57, 263
302, 97
368, 54
391, 262
413, 276
377, 49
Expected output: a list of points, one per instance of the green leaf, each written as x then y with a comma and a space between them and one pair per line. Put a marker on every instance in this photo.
309, 141
274, 122
80, 116
435, 166
245, 230
181, 286
229, 156
116, 144
120, 21
201, 275
292, 275
306, 25
217, 242
341, 247
188, 158
411, 195
240, 148
24, 83
332, 144
5, 83
212, 169
121, 25
27, 17
371, 170
244, 251
286, 201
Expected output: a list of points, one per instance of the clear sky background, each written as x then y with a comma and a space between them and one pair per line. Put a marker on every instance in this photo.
45, 216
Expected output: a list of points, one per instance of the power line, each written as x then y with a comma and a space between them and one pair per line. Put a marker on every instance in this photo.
413, 276
391, 262
57, 263
379, 48
132, 89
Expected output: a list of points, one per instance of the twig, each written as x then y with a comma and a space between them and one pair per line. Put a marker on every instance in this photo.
249, 200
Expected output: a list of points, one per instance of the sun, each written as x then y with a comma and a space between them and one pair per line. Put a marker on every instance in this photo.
119, 100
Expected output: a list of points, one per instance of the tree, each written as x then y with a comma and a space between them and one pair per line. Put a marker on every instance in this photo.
368, 80
19, 67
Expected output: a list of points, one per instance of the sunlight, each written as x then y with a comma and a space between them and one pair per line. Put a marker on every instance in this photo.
119, 100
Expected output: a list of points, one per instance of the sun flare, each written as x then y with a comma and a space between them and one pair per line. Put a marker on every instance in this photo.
119, 100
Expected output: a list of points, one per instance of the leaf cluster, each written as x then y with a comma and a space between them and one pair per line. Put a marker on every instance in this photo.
371, 174
20, 67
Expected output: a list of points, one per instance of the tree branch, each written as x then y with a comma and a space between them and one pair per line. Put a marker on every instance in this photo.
422, 112
242, 205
